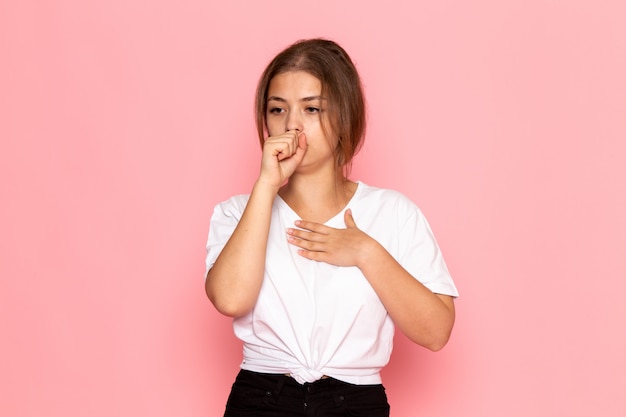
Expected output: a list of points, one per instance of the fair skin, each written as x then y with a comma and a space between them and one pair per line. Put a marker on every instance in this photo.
299, 165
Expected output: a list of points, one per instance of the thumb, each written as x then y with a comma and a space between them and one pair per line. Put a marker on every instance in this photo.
302, 146
302, 141
348, 219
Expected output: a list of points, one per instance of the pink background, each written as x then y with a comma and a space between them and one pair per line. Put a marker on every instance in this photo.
122, 123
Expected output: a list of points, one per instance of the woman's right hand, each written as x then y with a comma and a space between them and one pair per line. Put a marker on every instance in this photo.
281, 156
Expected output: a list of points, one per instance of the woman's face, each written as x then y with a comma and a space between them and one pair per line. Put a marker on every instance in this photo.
294, 102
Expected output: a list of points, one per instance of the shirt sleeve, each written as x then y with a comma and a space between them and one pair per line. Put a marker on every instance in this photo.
421, 256
225, 218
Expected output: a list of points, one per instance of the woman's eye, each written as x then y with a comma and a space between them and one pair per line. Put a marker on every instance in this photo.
312, 109
276, 110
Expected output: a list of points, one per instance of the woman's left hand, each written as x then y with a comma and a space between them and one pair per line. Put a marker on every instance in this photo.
423, 316
341, 247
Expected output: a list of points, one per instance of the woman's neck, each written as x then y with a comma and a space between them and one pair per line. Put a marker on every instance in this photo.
318, 198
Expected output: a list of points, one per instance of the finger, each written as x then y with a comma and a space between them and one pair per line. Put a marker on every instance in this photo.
313, 256
306, 244
292, 136
312, 226
348, 219
296, 149
284, 153
306, 235
283, 146
302, 143
292, 140
300, 146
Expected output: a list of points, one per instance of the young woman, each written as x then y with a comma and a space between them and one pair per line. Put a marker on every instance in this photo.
316, 269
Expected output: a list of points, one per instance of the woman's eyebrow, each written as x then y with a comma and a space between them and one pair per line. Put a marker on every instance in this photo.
311, 98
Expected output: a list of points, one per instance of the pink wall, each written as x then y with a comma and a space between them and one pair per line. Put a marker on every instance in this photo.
123, 122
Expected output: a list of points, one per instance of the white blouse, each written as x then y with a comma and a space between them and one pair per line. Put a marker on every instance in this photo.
313, 319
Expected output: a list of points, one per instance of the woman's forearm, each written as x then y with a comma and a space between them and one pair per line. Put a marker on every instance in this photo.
424, 317
234, 281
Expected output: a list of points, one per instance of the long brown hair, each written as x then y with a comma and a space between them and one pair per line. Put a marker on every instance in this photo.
341, 86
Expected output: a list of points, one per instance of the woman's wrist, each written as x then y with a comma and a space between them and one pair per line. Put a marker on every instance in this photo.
371, 252
265, 187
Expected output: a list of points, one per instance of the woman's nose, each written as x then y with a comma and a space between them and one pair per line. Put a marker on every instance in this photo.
294, 122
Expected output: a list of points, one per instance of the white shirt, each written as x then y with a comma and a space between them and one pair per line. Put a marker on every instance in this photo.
313, 319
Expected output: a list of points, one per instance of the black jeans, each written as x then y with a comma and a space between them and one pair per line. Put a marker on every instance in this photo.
274, 395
